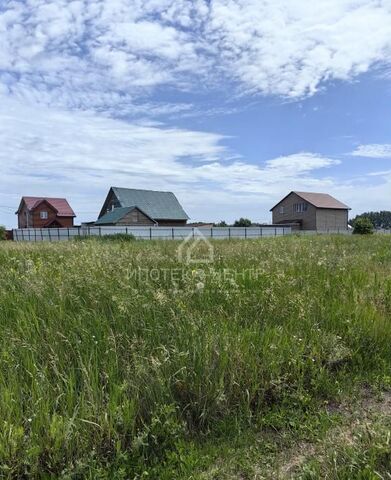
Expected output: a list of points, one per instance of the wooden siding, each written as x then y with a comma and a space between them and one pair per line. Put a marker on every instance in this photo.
135, 217
110, 203
33, 218
307, 218
172, 223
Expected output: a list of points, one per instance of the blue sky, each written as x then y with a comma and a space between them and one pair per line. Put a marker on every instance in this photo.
228, 103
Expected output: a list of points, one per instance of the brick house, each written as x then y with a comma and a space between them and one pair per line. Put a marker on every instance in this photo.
44, 212
129, 206
311, 211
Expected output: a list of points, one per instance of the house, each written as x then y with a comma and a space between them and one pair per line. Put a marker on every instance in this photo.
44, 212
311, 211
129, 206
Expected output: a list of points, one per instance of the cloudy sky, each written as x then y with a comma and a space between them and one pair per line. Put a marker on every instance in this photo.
228, 103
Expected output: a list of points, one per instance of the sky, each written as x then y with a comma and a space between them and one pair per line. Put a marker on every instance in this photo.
230, 104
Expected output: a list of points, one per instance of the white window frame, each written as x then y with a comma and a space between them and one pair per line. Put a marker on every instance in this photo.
301, 207
282, 210
43, 215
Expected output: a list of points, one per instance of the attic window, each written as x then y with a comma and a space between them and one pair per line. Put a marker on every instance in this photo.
282, 210
300, 207
43, 215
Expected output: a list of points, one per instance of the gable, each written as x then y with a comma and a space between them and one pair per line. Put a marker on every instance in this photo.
121, 214
60, 205
317, 200
155, 204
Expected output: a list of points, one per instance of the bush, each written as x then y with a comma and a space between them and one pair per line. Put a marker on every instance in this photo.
117, 237
3, 235
363, 226
242, 222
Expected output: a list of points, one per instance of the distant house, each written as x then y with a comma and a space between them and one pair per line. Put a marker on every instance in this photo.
129, 206
311, 211
44, 212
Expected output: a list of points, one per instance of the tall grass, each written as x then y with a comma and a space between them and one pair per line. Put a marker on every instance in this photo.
114, 356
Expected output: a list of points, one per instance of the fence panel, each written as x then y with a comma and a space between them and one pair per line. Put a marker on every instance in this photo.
148, 233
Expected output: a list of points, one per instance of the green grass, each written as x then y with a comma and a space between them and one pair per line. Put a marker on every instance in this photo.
119, 362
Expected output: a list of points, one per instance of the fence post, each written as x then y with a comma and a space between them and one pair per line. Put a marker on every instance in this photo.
261, 231
229, 232
245, 232
173, 233
211, 232
126, 230
100, 231
193, 231
50, 235
150, 233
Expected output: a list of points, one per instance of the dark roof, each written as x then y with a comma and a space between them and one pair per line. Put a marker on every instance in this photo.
61, 205
157, 205
318, 200
115, 215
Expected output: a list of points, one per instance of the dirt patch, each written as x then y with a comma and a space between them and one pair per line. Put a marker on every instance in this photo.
368, 407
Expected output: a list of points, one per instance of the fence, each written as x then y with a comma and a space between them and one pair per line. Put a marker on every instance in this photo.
149, 233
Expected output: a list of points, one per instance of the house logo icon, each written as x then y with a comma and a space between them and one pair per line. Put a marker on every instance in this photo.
195, 249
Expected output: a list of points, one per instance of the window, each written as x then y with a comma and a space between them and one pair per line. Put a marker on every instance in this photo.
43, 215
282, 210
300, 207
134, 217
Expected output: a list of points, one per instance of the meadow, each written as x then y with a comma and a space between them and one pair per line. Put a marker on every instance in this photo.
120, 362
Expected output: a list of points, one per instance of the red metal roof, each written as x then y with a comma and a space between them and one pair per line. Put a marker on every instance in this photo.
60, 204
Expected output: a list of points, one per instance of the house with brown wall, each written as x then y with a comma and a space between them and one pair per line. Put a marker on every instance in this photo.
44, 212
311, 211
130, 206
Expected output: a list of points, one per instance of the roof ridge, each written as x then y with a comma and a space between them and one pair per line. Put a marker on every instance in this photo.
143, 190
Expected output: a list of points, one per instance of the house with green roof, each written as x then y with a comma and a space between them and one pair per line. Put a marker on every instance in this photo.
130, 206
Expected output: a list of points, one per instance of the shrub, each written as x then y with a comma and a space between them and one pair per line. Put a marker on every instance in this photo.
242, 222
2, 233
363, 226
117, 237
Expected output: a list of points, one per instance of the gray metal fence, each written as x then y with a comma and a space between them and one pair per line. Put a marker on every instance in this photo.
149, 233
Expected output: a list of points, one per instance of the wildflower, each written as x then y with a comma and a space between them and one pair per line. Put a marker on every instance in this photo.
200, 286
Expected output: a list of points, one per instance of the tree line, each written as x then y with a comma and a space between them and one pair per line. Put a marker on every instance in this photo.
378, 219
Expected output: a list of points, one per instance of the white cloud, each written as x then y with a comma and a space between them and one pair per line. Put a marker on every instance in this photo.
102, 54
78, 155
373, 151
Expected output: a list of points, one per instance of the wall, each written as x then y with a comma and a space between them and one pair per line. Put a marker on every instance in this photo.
331, 219
172, 223
35, 220
135, 217
307, 219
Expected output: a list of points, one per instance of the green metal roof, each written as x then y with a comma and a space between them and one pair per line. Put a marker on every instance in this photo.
114, 216
157, 205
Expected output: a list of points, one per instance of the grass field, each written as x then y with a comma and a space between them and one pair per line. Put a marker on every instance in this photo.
118, 362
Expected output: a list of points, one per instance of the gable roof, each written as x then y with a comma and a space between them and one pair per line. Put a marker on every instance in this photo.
157, 205
61, 205
318, 200
115, 215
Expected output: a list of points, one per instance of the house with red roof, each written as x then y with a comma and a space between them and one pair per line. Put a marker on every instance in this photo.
44, 212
